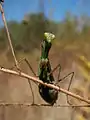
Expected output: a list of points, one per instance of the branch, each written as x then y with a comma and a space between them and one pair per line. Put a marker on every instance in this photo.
21, 74
38, 105
8, 35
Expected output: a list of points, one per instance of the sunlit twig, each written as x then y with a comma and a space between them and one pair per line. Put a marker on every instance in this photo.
45, 84
8, 35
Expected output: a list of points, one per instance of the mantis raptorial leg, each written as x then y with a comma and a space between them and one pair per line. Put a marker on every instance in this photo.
72, 74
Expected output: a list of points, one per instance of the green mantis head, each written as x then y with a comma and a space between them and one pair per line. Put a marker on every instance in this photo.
49, 37
46, 44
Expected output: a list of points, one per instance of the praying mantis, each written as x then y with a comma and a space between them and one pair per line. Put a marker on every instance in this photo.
45, 72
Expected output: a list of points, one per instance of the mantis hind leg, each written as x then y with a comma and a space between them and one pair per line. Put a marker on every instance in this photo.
58, 80
27, 62
72, 74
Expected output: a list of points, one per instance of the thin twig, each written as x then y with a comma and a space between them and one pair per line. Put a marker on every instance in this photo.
45, 84
8, 35
11, 46
39, 105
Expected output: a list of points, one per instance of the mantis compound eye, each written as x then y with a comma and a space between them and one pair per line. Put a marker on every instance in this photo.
49, 37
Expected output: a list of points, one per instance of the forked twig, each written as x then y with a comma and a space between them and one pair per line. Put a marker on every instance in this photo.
8, 35
45, 84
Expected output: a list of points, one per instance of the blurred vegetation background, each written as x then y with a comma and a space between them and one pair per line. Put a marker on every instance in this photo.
70, 48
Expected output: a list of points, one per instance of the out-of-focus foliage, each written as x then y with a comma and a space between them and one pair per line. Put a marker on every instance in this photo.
84, 66
83, 89
28, 34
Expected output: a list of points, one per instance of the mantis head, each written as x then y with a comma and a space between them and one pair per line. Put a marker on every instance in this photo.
46, 44
49, 37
